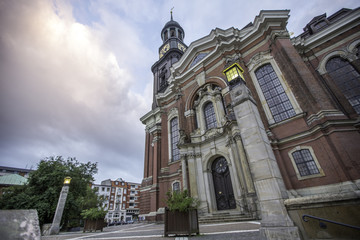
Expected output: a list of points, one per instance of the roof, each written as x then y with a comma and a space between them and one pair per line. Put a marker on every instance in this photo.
13, 179
16, 169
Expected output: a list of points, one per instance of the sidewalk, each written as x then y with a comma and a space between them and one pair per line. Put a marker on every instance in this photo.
144, 231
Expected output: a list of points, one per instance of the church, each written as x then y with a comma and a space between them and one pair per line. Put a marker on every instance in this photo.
257, 124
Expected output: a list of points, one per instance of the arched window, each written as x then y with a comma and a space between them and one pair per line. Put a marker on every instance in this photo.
172, 32
180, 35
305, 162
176, 187
210, 118
274, 93
175, 154
347, 80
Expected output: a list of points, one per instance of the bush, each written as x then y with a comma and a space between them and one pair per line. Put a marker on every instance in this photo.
93, 213
180, 201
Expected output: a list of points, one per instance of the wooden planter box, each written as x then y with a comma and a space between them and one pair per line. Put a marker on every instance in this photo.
181, 223
94, 224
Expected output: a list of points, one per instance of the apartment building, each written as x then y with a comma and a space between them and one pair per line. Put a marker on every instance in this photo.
121, 199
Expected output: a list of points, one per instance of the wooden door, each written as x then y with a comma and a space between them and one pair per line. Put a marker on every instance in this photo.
222, 183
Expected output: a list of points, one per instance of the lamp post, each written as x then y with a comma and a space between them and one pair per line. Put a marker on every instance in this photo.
55, 227
275, 221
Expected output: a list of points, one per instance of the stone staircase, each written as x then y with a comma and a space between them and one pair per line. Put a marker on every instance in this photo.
224, 216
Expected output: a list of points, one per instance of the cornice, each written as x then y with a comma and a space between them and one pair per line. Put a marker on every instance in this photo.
319, 128
223, 40
323, 36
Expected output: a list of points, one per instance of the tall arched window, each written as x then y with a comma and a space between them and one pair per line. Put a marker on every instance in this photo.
347, 79
175, 154
210, 118
274, 93
176, 187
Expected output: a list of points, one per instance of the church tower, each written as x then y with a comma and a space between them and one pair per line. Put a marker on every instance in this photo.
170, 52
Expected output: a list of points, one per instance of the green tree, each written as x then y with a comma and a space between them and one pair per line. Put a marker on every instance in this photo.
43, 190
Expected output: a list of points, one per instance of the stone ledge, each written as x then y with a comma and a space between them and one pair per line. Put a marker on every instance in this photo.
322, 198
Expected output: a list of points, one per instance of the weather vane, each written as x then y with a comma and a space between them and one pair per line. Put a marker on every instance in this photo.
171, 12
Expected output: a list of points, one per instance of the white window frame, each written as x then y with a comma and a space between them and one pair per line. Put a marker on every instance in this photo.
299, 177
255, 64
219, 110
172, 185
172, 114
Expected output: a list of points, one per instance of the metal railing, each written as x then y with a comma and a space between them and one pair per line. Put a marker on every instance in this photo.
323, 225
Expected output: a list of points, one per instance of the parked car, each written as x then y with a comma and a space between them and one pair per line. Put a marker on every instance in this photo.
130, 222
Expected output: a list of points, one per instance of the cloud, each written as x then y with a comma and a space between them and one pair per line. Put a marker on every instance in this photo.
64, 92
75, 75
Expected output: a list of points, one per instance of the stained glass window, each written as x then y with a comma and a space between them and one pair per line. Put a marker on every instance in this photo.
210, 118
275, 96
174, 139
347, 79
305, 162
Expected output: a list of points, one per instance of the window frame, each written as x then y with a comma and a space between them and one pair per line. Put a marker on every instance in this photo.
172, 186
175, 156
212, 117
256, 62
173, 113
340, 86
272, 89
298, 175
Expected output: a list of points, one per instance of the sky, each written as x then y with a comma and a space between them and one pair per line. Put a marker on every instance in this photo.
75, 75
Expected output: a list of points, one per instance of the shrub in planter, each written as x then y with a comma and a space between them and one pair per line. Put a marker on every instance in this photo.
181, 214
94, 219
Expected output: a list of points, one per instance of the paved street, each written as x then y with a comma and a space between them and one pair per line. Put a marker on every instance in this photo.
144, 231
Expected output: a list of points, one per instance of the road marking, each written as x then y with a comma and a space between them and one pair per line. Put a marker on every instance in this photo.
253, 222
185, 238
148, 236
102, 233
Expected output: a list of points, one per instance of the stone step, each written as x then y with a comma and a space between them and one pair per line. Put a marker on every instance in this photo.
225, 217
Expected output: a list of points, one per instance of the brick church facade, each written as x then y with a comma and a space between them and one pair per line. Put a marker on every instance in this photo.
292, 143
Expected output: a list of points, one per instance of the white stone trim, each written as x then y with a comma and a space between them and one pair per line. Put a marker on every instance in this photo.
171, 115
259, 60
341, 26
218, 109
299, 177
322, 65
309, 193
352, 46
172, 185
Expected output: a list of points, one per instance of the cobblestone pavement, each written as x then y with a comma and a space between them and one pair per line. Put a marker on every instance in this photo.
145, 231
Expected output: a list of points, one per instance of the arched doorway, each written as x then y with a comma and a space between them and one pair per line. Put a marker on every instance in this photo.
224, 193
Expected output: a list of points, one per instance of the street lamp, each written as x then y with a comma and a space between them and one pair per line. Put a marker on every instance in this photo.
234, 74
67, 180
55, 227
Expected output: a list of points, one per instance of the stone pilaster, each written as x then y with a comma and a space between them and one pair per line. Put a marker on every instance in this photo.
192, 175
270, 188
184, 173
55, 227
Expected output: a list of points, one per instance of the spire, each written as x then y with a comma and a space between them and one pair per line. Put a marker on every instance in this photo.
172, 29
171, 14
